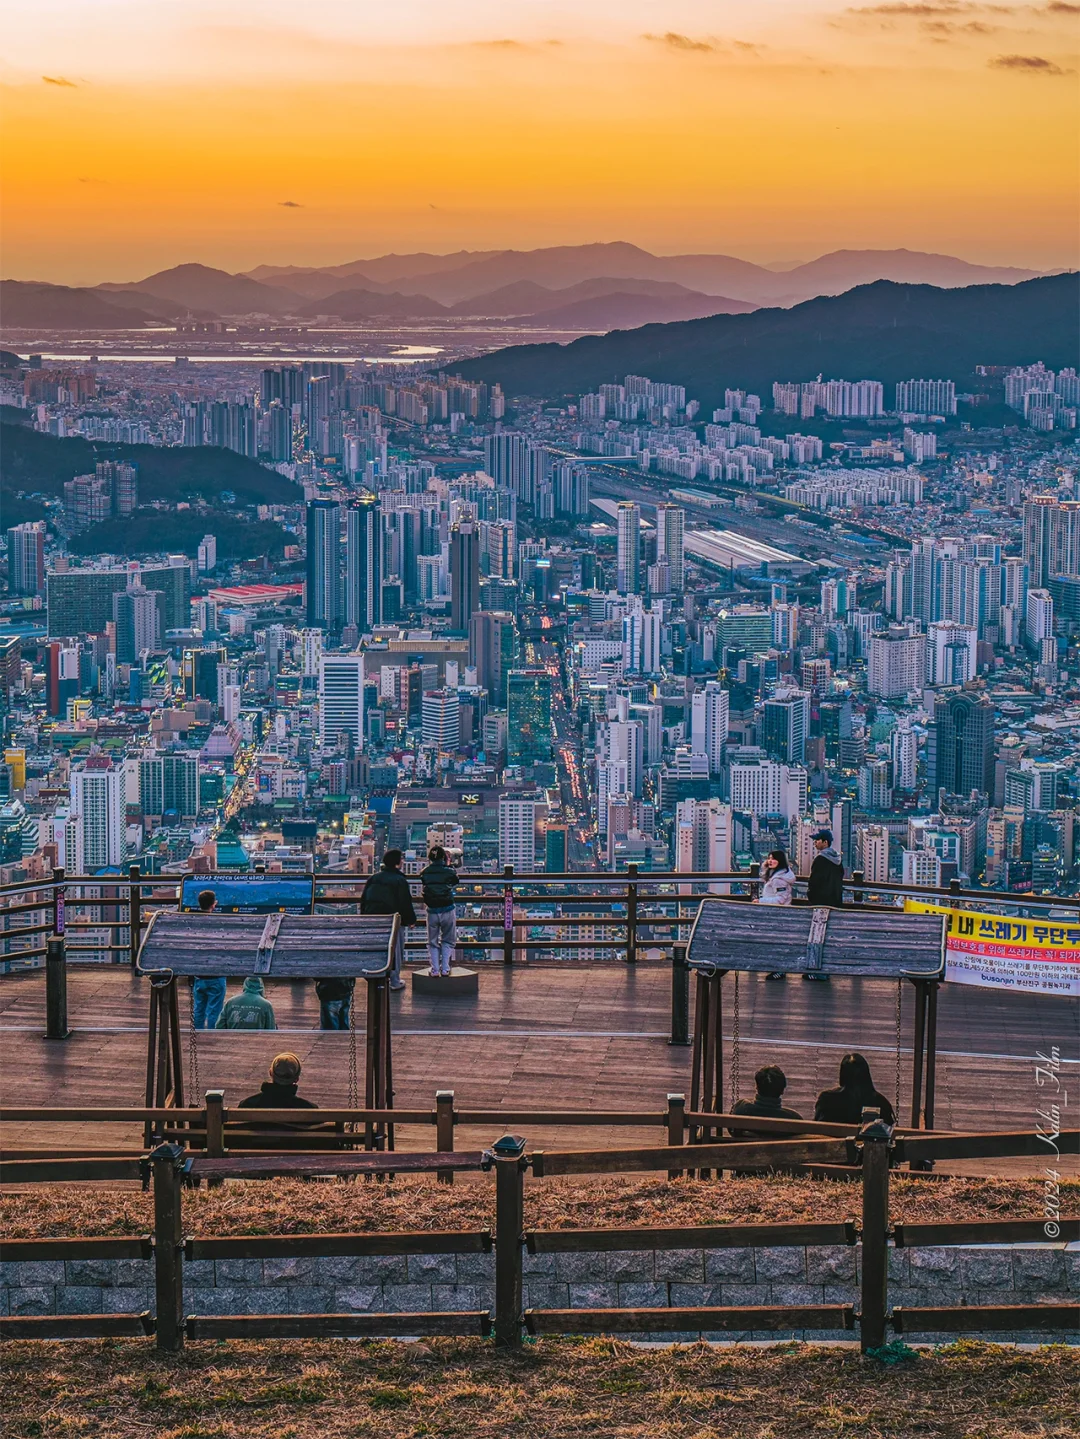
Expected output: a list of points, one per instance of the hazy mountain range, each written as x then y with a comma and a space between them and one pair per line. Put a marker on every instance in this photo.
883, 331
571, 287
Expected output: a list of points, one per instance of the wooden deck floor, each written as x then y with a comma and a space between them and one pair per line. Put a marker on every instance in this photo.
589, 1036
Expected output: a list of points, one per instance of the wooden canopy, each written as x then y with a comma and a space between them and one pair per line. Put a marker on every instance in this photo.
280, 946
799, 939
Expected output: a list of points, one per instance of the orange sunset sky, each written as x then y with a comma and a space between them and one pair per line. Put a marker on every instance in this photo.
140, 135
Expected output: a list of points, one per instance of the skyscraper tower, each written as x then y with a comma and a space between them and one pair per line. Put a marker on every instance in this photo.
960, 746
670, 532
26, 558
464, 574
628, 551
323, 592
363, 568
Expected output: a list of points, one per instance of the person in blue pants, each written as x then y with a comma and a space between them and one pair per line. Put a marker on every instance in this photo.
208, 992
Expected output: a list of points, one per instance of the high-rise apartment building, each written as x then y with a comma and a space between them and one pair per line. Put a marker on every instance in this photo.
960, 746
517, 829
363, 564
703, 837
628, 548
670, 543
1051, 539
709, 721
323, 591
341, 699
506, 459
764, 787
785, 726
926, 397
897, 663
137, 617
464, 574
951, 653
491, 650
26, 558
441, 719
98, 807
80, 601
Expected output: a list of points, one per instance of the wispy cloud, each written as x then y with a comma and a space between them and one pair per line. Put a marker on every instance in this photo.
290, 204
674, 41
1028, 65
59, 80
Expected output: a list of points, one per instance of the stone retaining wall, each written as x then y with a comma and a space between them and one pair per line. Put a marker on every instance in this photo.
983, 1274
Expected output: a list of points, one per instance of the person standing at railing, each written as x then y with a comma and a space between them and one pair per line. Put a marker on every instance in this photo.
779, 886
250, 1009
387, 892
335, 1001
825, 887
439, 881
208, 991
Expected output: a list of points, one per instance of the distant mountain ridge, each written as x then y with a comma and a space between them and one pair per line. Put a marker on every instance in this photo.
882, 331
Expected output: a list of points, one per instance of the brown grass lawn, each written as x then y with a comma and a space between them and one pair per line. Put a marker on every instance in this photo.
292, 1207
555, 1389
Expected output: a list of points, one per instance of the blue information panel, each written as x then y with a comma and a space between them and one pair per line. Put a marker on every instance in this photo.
251, 894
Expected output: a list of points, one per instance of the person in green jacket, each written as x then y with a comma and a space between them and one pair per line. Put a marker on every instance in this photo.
248, 1010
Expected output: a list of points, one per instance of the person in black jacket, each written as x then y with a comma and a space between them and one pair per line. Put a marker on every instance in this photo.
387, 892
439, 881
769, 1084
826, 883
280, 1091
854, 1093
335, 1001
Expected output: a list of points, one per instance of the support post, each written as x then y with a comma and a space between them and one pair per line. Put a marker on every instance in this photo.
676, 1125
134, 913
444, 1130
875, 1138
680, 997
857, 878
59, 896
56, 1005
167, 1166
214, 1141
931, 1053
631, 914
508, 914
918, 1054
508, 1157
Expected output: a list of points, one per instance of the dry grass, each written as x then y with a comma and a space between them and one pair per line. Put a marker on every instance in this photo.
293, 1207
556, 1389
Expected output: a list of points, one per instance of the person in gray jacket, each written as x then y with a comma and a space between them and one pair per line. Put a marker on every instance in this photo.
439, 881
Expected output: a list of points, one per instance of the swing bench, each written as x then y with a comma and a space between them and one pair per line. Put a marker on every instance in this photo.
852, 943
277, 945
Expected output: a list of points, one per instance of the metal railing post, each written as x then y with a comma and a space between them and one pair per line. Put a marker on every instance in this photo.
134, 913
444, 1130
631, 914
56, 1005
508, 1157
876, 1139
167, 1167
508, 914
857, 877
680, 997
214, 1139
676, 1125
59, 896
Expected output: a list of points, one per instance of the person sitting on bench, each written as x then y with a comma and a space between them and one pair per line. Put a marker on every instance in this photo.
208, 991
250, 1009
769, 1084
854, 1093
279, 1092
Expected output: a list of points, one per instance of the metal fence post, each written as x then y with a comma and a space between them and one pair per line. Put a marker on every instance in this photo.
444, 1130
167, 1167
676, 1125
857, 877
134, 913
680, 997
508, 1156
58, 901
214, 1139
876, 1138
56, 1006
508, 914
631, 914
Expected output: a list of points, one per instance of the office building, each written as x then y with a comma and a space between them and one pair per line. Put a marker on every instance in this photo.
464, 574
80, 601
897, 663
628, 548
206, 555
341, 699
137, 617
517, 830
951, 653
1039, 622
785, 726
363, 564
709, 724
764, 787
98, 809
26, 558
960, 746
323, 589
703, 837
529, 728
441, 719
492, 650
169, 784
670, 543
556, 849
872, 848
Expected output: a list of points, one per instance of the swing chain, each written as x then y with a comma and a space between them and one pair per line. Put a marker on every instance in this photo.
354, 1089
899, 1041
735, 1049
193, 1052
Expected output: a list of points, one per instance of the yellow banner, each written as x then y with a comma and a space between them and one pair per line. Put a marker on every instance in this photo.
1002, 929
996, 951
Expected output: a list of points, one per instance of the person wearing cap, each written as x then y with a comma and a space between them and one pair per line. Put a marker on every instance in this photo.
826, 883
208, 990
250, 1009
387, 892
279, 1092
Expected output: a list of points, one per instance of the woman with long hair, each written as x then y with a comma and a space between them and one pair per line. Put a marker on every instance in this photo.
854, 1093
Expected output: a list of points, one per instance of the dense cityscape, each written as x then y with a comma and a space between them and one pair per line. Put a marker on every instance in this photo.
382, 604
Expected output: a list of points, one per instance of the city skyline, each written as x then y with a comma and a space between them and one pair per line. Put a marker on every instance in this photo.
237, 138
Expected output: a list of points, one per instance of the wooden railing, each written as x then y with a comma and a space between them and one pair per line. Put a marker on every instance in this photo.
168, 1168
658, 909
